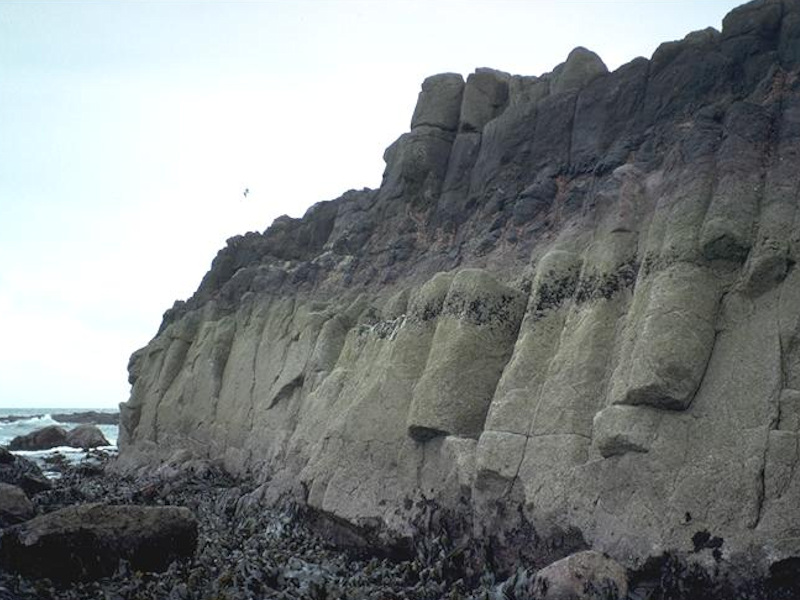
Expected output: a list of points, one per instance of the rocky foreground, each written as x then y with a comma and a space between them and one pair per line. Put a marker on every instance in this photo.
242, 550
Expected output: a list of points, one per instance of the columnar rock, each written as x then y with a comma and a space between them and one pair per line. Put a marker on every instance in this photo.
472, 344
570, 315
582, 66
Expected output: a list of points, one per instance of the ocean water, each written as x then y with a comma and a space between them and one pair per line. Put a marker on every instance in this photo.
40, 417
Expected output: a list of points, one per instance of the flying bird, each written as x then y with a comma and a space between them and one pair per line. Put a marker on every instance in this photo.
246, 191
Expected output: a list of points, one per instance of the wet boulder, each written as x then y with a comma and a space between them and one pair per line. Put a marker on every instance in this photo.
41, 439
86, 436
19, 471
86, 542
15, 507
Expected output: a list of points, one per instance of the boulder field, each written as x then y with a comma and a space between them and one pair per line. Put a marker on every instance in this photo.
569, 318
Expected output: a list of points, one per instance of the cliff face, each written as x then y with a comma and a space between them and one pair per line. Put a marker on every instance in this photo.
571, 308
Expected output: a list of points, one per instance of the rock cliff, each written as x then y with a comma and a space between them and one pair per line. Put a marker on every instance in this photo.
570, 315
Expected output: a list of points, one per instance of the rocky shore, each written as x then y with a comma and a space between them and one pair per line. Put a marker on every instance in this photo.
92, 417
247, 550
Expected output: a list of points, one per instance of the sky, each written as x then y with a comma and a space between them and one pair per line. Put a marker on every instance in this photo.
129, 131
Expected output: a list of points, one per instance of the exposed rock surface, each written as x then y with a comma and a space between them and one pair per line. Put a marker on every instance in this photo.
15, 506
87, 541
90, 416
45, 438
18, 471
571, 312
86, 436
83, 436
583, 576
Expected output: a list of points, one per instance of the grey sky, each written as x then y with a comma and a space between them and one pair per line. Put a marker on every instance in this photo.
130, 129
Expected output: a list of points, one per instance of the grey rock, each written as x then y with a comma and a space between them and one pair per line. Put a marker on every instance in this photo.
41, 439
416, 165
15, 506
582, 67
582, 576
485, 97
86, 436
91, 416
439, 102
21, 472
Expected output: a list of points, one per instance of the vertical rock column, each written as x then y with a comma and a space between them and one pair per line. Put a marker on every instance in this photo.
416, 164
502, 444
473, 342
670, 330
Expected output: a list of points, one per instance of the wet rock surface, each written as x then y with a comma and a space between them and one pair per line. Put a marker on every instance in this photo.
247, 550
41, 439
15, 506
87, 541
19, 471
86, 436
90, 416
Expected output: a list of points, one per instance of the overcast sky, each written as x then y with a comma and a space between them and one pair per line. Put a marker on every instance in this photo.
129, 130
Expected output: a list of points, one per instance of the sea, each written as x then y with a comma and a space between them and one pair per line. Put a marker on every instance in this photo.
36, 418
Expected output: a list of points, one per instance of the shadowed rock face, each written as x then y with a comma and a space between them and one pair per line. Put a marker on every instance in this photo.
87, 541
572, 306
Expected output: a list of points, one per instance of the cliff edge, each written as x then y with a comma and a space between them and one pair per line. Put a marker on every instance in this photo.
570, 312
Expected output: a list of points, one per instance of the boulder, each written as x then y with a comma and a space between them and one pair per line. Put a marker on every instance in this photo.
582, 67
585, 575
86, 436
86, 542
485, 97
439, 102
41, 439
90, 416
19, 471
15, 507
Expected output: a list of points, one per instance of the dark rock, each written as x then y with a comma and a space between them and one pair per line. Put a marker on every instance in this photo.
761, 18
789, 42
88, 541
416, 165
15, 507
439, 102
19, 471
607, 125
686, 75
582, 67
41, 439
86, 436
485, 97
91, 416
14, 418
